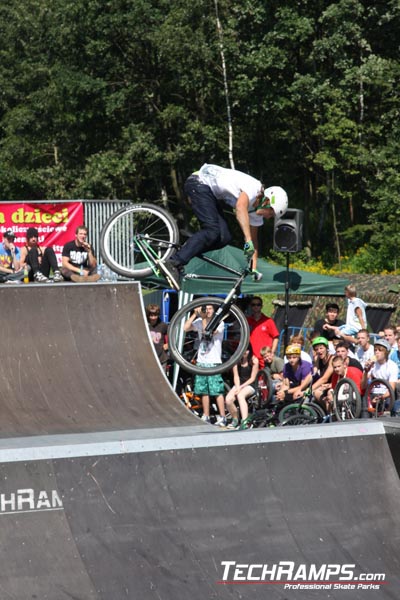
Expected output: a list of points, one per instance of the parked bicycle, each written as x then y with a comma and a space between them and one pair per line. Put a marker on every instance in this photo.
379, 398
345, 404
304, 411
263, 407
346, 400
265, 410
135, 242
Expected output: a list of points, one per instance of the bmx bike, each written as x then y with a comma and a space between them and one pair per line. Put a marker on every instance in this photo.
304, 411
135, 242
347, 402
265, 410
379, 398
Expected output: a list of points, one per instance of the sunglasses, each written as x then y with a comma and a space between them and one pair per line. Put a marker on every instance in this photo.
256, 304
153, 314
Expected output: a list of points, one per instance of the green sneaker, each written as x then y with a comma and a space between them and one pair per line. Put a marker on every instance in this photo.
246, 423
233, 424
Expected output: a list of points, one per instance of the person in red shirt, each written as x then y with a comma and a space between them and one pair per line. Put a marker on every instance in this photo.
263, 331
340, 370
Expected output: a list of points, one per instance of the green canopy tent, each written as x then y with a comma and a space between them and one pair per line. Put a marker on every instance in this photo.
273, 281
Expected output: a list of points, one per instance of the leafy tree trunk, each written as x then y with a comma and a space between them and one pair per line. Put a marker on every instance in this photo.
226, 87
330, 185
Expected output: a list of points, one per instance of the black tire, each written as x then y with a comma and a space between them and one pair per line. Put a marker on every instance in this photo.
319, 410
299, 419
296, 408
184, 346
118, 245
373, 397
264, 388
346, 400
264, 418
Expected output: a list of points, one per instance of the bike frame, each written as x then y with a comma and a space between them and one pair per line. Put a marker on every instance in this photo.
149, 246
152, 260
149, 254
222, 311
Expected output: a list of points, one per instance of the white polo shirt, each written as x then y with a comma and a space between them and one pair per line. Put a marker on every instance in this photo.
227, 185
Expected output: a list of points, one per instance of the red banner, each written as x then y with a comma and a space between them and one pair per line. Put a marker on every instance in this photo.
56, 223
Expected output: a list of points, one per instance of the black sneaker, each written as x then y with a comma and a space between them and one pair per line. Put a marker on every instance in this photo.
172, 274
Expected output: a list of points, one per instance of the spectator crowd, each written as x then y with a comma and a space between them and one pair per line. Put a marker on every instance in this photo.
336, 348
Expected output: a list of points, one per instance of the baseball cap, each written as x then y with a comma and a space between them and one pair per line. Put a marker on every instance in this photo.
32, 232
9, 234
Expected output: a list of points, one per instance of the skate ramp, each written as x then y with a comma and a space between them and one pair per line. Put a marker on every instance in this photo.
114, 517
112, 490
78, 358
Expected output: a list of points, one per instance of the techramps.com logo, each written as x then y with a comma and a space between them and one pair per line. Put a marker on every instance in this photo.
300, 576
29, 500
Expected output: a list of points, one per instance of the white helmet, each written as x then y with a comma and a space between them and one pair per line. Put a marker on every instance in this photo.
276, 198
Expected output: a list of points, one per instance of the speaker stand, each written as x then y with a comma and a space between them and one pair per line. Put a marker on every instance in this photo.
286, 315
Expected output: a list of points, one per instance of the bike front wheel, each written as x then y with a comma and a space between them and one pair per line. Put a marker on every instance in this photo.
299, 419
184, 346
298, 408
346, 400
379, 397
134, 237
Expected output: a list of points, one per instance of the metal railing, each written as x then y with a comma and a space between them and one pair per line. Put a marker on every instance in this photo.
96, 213
304, 331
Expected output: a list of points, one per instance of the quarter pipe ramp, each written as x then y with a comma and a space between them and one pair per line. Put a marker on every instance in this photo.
78, 358
111, 490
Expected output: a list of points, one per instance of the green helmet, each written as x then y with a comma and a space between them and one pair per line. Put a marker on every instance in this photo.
320, 340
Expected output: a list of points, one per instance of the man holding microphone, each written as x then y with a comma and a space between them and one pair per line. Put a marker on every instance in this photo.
78, 261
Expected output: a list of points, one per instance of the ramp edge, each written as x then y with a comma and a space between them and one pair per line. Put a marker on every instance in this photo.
168, 439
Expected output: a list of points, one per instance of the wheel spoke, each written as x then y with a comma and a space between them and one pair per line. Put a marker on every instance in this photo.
136, 236
379, 396
346, 400
194, 352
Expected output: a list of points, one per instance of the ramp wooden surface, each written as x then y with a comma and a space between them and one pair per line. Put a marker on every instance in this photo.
78, 358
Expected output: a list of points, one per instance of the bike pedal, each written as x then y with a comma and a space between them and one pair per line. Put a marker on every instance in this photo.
172, 281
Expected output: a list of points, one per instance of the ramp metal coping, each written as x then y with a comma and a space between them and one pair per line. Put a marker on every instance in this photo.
54, 447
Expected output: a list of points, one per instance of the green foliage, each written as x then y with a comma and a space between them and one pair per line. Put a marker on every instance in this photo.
124, 99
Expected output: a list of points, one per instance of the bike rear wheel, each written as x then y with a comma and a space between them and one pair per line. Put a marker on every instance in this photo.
184, 345
375, 402
264, 388
346, 400
134, 237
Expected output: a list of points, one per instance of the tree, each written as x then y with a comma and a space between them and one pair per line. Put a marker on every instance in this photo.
126, 99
